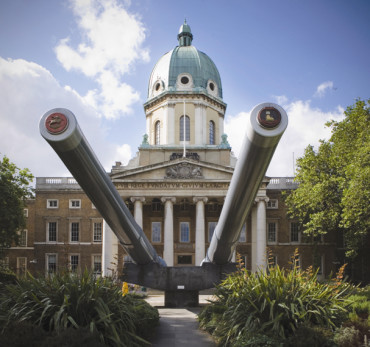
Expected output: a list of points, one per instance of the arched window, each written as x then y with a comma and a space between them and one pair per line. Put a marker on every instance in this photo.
187, 128
211, 132
158, 133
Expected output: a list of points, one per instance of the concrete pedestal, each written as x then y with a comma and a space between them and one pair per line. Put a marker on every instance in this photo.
181, 298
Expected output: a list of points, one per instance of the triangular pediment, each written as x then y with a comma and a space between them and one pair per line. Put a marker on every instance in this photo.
177, 169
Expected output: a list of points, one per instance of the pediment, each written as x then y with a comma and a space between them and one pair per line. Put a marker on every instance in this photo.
178, 169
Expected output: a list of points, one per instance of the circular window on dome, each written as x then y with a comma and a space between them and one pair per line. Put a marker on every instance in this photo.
212, 88
184, 80
157, 86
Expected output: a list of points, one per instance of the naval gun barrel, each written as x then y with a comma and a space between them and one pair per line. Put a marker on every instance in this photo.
266, 125
60, 129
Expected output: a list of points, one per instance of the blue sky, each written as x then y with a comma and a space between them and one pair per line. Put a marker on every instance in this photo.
95, 58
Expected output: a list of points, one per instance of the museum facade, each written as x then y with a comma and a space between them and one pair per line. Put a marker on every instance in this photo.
175, 188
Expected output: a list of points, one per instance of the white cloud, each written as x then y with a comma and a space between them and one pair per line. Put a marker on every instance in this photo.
123, 153
306, 126
323, 88
28, 91
111, 43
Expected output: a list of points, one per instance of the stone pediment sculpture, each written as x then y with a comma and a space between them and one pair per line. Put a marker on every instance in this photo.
184, 171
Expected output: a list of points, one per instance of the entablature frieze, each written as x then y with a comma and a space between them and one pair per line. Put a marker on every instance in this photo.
172, 185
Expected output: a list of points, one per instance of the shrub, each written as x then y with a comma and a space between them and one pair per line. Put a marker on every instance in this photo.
273, 303
64, 301
348, 337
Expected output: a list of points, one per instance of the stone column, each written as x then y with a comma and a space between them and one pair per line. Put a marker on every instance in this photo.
168, 255
109, 251
199, 229
254, 239
261, 256
138, 209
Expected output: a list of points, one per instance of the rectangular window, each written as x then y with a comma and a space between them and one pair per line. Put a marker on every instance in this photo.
243, 234
23, 238
184, 259
272, 204
294, 232
184, 232
52, 231
52, 203
97, 264
25, 212
97, 232
271, 232
74, 262
21, 265
156, 231
51, 263
74, 203
211, 229
75, 231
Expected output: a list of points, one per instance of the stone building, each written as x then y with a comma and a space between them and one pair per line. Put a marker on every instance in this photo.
175, 187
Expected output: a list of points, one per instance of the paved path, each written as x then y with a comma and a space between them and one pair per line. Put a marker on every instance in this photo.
178, 327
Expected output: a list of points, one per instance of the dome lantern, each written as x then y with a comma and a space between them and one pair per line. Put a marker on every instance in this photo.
185, 36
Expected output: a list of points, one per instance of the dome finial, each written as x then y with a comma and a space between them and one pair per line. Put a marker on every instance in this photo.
185, 36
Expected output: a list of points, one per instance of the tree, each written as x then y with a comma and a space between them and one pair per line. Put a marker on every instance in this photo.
334, 182
14, 191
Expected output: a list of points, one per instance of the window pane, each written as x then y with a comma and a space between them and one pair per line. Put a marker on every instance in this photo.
52, 231
184, 259
156, 205
211, 133
74, 262
23, 238
97, 264
156, 231
187, 128
75, 227
157, 133
52, 263
271, 232
184, 232
97, 232
294, 232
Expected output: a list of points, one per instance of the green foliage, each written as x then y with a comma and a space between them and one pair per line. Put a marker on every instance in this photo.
14, 190
65, 301
274, 306
6, 276
20, 334
348, 337
334, 182
353, 331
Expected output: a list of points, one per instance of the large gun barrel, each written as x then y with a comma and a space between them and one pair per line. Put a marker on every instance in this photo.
266, 125
60, 129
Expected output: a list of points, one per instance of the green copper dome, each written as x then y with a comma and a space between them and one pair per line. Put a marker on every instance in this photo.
185, 68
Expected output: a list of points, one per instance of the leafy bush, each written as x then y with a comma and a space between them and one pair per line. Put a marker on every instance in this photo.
353, 331
6, 276
274, 303
348, 337
64, 301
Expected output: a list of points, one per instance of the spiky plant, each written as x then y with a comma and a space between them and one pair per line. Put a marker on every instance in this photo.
274, 303
69, 300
